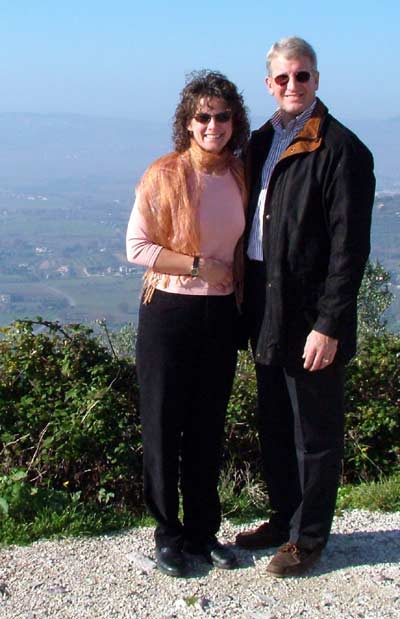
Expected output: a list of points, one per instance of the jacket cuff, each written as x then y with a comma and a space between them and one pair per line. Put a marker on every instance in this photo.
327, 326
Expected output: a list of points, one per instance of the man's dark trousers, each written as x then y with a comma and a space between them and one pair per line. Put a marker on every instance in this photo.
301, 431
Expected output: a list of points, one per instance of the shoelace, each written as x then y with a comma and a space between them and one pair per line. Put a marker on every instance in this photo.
291, 548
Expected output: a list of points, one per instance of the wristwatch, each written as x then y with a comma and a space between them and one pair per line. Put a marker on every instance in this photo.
195, 267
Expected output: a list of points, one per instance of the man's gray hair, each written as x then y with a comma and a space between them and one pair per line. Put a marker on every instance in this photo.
291, 47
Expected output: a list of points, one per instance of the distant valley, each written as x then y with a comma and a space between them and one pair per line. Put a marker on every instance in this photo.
66, 191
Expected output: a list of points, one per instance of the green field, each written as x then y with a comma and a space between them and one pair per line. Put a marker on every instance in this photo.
61, 258
85, 237
115, 299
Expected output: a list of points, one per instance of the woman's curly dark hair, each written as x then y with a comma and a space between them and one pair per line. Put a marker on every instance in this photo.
210, 84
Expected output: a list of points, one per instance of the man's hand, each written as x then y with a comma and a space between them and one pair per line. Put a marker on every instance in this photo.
319, 351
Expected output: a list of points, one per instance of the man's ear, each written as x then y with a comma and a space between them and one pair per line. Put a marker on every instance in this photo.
269, 84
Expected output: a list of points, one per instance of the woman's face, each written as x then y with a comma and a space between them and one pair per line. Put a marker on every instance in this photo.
211, 126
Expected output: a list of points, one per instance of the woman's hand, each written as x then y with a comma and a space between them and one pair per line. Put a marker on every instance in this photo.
216, 273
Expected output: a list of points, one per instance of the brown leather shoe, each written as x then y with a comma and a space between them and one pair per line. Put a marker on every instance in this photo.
266, 535
290, 560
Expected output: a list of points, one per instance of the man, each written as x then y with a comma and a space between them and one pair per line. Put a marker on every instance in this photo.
312, 188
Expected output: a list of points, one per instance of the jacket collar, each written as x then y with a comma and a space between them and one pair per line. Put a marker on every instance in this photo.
307, 140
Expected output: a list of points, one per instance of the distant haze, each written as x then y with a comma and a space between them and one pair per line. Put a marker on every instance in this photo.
38, 149
45, 150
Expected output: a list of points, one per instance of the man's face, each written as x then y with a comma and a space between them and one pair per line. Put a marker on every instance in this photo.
294, 96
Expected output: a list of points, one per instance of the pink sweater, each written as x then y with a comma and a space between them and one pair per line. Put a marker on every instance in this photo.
221, 225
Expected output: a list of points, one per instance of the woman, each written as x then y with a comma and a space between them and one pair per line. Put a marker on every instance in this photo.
185, 227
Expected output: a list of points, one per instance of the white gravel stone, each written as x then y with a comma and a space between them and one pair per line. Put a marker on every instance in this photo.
113, 576
139, 560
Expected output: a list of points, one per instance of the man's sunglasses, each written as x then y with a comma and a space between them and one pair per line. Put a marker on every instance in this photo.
300, 76
221, 117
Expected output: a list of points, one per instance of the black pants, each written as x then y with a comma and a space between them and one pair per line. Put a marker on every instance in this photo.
186, 358
301, 431
300, 421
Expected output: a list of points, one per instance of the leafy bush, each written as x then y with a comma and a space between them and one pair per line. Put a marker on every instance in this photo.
242, 493
28, 513
374, 298
240, 427
372, 405
21, 500
372, 410
121, 343
70, 443
68, 413
383, 496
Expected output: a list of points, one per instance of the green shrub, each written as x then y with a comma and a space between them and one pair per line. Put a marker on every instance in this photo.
242, 493
383, 496
372, 406
240, 428
70, 443
21, 500
68, 413
372, 445
374, 298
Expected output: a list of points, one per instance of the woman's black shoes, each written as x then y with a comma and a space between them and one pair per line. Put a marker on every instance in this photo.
171, 561
214, 552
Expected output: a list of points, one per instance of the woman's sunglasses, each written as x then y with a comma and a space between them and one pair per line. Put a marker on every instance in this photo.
220, 117
300, 76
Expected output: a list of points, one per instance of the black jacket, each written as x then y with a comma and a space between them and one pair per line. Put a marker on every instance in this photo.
316, 236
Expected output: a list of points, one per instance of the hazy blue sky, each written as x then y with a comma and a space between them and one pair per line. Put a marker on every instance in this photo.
129, 59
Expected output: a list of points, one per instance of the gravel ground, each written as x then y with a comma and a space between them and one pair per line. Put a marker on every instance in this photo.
114, 576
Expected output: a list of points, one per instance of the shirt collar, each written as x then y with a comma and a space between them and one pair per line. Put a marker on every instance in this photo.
295, 124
